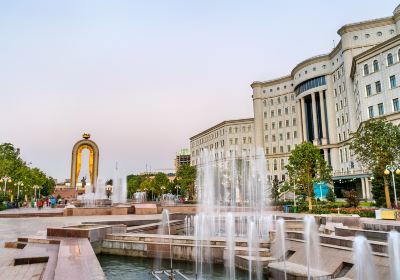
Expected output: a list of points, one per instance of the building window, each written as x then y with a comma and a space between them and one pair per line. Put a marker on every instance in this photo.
273, 138
378, 87
279, 112
282, 164
366, 69
389, 59
266, 126
271, 102
381, 110
274, 150
288, 148
294, 134
273, 125
279, 100
272, 113
379, 33
355, 37
294, 122
376, 66
267, 151
293, 109
287, 123
392, 80
396, 105
286, 110
371, 112
281, 149
285, 97
280, 124
368, 90
280, 136
288, 135
275, 164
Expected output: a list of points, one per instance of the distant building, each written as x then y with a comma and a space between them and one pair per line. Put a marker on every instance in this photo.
182, 157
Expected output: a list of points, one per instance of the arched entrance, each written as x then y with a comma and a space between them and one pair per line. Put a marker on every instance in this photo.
76, 162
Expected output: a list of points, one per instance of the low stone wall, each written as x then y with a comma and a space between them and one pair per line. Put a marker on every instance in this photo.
97, 211
94, 233
183, 247
182, 209
369, 234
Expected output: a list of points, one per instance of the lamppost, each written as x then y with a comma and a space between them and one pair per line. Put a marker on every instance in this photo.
36, 187
177, 189
5, 179
391, 168
18, 184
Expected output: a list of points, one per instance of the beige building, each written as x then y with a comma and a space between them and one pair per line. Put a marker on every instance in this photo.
182, 157
325, 98
227, 139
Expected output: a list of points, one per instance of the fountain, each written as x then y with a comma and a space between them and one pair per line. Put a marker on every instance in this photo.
232, 193
363, 259
279, 246
119, 187
311, 239
139, 197
394, 254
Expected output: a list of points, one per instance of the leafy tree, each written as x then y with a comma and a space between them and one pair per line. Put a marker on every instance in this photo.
133, 182
186, 177
307, 166
330, 196
275, 191
160, 180
377, 144
378, 190
12, 165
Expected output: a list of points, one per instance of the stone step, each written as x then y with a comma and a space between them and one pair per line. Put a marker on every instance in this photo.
263, 252
243, 262
295, 271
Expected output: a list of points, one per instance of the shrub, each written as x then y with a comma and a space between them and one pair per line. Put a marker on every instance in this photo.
351, 198
330, 196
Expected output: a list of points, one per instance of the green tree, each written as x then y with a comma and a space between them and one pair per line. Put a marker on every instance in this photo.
307, 166
186, 177
133, 183
160, 180
330, 196
12, 165
377, 144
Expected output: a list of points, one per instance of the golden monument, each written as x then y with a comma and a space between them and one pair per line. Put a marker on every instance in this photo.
76, 162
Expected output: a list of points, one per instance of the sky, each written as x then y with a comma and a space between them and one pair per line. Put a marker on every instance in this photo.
143, 76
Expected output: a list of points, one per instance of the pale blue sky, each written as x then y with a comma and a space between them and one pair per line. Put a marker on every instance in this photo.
144, 76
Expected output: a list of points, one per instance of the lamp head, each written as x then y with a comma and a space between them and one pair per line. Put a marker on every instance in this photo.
398, 171
386, 172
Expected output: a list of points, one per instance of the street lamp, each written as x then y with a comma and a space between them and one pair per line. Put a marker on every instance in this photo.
19, 184
177, 188
5, 179
391, 168
36, 187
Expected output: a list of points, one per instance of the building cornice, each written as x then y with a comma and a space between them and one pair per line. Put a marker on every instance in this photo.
385, 45
271, 82
220, 125
365, 25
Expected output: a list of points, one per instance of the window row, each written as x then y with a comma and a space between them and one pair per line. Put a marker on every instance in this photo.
235, 141
281, 150
279, 100
280, 136
280, 124
279, 112
378, 86
277, 88
236, 129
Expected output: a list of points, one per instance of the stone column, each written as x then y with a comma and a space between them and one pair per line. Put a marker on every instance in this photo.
315, 119
363, 188
326, 155
303, 118
324, 130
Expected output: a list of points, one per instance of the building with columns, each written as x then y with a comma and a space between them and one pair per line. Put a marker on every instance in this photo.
327, 97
